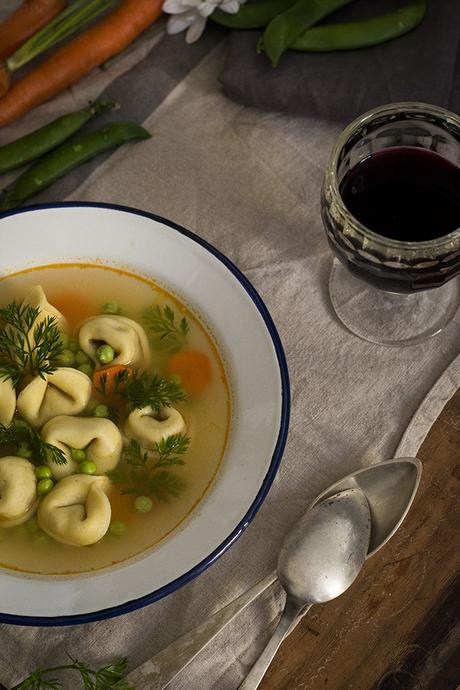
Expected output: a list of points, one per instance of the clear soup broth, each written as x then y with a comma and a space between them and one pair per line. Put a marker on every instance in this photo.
79, 292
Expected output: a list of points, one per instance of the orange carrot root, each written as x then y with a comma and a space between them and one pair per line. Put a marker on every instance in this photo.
194, 369
4, 78
74, 60
25, 21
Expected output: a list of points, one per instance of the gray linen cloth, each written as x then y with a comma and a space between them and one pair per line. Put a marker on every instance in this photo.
249, 182
419, 66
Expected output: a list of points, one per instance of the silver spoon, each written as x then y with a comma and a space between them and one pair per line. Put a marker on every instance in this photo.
390, 488
318, 561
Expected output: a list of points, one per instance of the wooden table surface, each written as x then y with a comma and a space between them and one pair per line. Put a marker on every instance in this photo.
398, 626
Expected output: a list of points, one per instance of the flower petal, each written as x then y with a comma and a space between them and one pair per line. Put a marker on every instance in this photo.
207, 8
174, 6
230, 6
195, 31
180, 22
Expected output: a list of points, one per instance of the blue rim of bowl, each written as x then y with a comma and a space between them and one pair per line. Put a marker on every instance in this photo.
132, 605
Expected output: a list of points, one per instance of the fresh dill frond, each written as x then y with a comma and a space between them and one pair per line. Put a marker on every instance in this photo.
27, 349
18, 433
142, 389
162, 323
109, 677
145, 478
165, 484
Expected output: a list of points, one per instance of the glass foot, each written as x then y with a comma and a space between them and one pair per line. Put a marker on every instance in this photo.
390, 319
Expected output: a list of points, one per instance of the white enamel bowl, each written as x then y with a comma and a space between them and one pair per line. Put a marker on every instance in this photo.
258, 376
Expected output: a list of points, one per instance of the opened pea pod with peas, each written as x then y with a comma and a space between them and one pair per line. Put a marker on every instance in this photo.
292, 25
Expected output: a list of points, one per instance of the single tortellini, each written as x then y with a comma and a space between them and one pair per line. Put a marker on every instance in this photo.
147, 427
37, 298
76, 511
18, 490
67, 391
100, 438
7, 402
125, 336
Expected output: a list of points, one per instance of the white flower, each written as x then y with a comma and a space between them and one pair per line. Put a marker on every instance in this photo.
192, 15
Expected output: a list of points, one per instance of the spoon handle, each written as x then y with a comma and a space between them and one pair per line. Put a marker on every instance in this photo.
161, 669
287, 622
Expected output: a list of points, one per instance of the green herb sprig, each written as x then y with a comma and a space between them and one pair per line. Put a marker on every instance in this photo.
148, 476
25, 349
142, 389
20, 433
162, 324
108, 677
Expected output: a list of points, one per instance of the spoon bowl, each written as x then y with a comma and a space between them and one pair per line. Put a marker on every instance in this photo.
389, 487
323, 554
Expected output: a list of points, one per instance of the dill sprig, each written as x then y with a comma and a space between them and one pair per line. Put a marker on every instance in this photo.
20, 433
27, 349
141, 389
108, 677
162, 323
148, 476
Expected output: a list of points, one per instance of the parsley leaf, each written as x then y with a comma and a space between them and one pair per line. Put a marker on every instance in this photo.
162, 323
27, 349
108, 677
142, 389
20, 433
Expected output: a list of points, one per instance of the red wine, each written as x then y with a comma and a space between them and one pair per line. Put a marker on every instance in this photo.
404, 193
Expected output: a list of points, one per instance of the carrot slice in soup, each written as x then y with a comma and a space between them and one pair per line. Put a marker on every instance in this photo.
194, 369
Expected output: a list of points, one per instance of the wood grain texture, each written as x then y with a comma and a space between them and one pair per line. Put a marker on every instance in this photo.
398, 626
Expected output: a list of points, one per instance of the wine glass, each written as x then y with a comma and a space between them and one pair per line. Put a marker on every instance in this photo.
390, 205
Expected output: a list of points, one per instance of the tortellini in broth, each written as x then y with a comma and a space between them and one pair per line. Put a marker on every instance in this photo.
18, 496
7, 402
100, 438
148, 428
67, 391
77, 511
122, 488
125, 336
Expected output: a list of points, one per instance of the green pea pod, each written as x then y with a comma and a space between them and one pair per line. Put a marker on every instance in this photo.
283, 30
67, 157
36, 144
364, 33
255, 15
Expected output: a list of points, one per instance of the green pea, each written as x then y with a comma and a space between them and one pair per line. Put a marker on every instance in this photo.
81, 357
74, 346
105, 354
43, 472
101, 411
143, 504
117, 528
24, 451
87, 467
111, 308
78, 455
33, 526
66, 358
66, 157
86, 369
44, 486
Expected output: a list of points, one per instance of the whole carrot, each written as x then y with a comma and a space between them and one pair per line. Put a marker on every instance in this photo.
28, 18
74, 60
